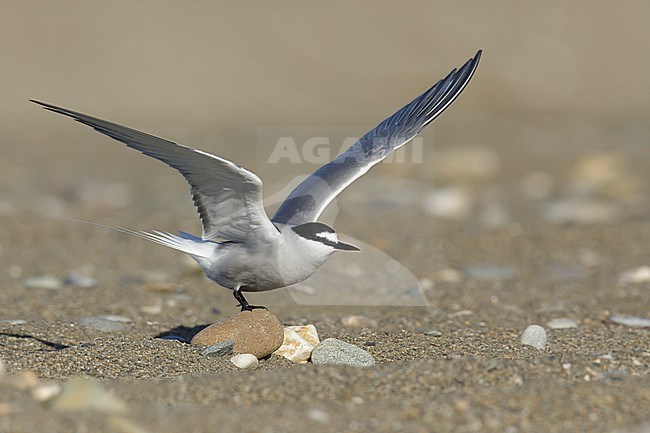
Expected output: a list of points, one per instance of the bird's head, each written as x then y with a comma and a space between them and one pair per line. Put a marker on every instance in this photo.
322, 234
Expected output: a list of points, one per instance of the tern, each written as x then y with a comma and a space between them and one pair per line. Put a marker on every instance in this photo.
240, 248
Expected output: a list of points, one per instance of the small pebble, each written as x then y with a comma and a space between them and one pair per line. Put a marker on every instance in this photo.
635, 276
333, 351
299, 342
433, 333
220, 349
103, 323
451, 203
582, 211
14, 321
244, 360
358, 321
2, 368
534, 336
115, 318
491, 272
78, 280
561, 323
80, 394
318, 415
631, 321
618, 374
43, 282
46, 391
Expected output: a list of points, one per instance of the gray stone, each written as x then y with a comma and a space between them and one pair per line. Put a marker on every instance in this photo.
104, 324
333, 351
631, 321
13, 321
78, 280
220, 349
534, 336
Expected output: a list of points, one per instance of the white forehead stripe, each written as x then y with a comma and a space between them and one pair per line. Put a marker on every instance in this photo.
328, 235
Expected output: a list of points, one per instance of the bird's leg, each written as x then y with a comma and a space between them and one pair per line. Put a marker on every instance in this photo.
243, 303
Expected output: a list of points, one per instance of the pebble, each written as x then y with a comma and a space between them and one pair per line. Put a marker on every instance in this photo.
561, 323
631, 321
357, 321
79, 394
333, 351
220, 349
14, 321
635, 276
491, 272
256, 332
79, 280
582, 211
318, 415
42, 282
2, 368
433, 333
534, 336
46, 391
244, 360
299, 342
103, 323
451, 203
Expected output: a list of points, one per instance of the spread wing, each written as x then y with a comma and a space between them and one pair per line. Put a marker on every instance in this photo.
308, 200
228, 197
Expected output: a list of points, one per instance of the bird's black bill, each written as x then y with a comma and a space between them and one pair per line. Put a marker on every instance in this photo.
346, 247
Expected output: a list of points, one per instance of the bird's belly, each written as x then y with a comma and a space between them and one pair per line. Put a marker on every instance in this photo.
255, 273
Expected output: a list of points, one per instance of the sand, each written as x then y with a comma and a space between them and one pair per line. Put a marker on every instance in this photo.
455, 364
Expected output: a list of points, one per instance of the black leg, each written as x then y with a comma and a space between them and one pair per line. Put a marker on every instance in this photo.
243, 303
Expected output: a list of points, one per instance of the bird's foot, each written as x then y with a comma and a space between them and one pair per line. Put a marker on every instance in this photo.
243, 303
249, 307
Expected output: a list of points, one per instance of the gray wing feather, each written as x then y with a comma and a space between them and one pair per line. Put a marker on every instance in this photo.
308, 200
228, 197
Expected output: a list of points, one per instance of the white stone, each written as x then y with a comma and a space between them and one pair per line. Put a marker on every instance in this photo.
244, 360
46, 391
79, 395
452, 203
42, 282
318, 415
299, 342
635, 276
358, 321
534, 336
561, 323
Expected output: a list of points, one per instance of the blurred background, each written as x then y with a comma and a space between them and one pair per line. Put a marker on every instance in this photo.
553, 129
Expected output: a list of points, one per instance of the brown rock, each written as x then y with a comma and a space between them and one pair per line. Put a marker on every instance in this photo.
258, 332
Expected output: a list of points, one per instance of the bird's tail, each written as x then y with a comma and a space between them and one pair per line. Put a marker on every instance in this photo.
186, 242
